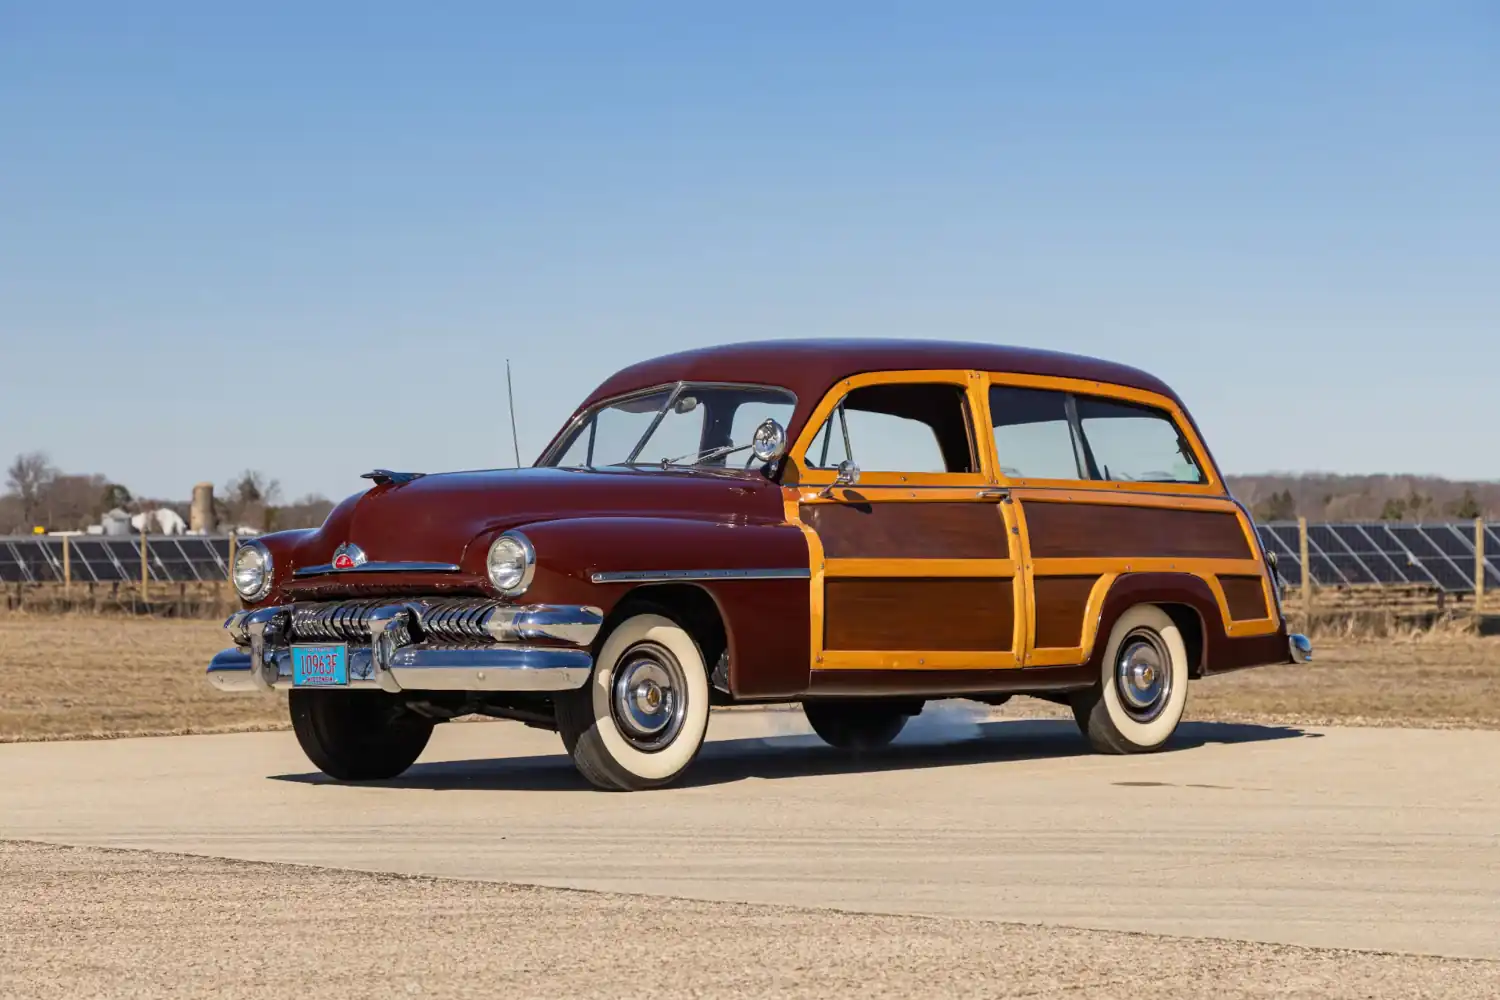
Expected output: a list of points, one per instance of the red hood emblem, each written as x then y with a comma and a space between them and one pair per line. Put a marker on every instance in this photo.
348, 556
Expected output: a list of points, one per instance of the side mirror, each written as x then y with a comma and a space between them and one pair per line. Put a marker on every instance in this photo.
769, 442
847, 475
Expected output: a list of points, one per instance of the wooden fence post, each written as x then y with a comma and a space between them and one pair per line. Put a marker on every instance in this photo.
67, 566
1306, 570
1478, 566
233, 540
145, 567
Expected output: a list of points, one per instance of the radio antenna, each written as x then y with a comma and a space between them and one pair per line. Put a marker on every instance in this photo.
510, 397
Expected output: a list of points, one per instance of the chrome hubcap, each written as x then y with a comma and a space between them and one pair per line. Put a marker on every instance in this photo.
1143, 676
648, 699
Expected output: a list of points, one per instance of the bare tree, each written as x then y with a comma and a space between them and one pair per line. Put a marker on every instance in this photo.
27, 477
251, 499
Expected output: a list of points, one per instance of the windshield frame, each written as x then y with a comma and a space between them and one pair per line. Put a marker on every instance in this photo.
569, 433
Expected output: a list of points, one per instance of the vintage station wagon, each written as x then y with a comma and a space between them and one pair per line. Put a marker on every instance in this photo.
857, 526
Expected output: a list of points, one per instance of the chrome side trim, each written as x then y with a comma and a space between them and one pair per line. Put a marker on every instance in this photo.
674, 575
322, 569
1300, 648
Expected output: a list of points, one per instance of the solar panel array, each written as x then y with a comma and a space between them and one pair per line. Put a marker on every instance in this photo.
1392, 554
1388, 553
96, 559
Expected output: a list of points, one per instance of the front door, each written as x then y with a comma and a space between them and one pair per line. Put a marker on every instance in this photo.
915, 563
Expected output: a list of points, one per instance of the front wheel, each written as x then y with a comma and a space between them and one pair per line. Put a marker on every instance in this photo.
640, 720
1142, 689
358, 735
857, 725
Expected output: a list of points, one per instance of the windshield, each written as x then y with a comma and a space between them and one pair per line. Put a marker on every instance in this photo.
680, 425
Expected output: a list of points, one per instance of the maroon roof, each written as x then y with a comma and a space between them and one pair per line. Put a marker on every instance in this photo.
810, 367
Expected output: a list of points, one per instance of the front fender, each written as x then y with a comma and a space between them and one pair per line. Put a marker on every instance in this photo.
599, 561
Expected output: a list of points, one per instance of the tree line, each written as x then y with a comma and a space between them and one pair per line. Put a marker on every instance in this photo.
39, 495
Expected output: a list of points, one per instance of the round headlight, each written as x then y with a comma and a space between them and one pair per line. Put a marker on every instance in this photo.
252, 571
511, 563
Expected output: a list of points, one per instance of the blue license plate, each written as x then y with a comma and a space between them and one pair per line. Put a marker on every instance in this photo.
320, 666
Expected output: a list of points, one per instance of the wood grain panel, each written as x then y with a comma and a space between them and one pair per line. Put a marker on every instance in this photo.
1246, 597
932, 529
1060, 604
1080, 530
918, 614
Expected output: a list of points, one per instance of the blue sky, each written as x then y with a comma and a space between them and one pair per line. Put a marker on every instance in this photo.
304, 238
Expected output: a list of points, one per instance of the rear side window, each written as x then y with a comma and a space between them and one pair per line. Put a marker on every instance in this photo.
1047, 434
1032, 434
1135, 444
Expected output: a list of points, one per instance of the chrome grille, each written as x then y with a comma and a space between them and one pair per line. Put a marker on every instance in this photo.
451, 620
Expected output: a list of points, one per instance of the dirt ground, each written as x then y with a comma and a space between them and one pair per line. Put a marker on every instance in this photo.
87, 676
164, 925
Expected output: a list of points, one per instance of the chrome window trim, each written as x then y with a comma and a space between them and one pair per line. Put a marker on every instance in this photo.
324, 569
566, 437
678, 575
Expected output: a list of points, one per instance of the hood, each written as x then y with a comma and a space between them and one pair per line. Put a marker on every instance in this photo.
437, 518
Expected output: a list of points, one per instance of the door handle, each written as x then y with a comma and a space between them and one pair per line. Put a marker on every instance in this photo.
1001, 495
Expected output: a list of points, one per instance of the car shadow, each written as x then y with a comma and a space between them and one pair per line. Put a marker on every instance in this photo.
804, 755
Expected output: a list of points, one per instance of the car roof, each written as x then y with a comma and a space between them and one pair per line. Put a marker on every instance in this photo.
811, 367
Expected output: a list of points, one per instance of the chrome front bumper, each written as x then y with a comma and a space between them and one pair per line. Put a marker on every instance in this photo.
416, 645
1300, 648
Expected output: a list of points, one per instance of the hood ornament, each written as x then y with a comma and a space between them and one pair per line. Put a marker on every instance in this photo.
383, 476
348, 556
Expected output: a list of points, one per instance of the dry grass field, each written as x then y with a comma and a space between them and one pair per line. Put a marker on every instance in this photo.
83, 676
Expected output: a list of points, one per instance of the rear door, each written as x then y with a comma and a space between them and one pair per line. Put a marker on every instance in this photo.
915, 564
1108, 481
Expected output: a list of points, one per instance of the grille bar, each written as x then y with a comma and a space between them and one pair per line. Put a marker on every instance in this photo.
453, 620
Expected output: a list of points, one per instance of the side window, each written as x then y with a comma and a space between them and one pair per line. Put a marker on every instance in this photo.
1135, 444
901, 427
1033, 436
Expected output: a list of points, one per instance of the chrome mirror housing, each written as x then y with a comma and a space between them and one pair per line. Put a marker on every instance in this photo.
847, 475
769, 442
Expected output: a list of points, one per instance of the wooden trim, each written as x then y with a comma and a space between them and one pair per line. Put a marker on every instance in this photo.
978, 415
1085, 530
1004, 568
973, 529
1084, 387
1061, 607
914, 614
1245, 597
919, 660
1101, 564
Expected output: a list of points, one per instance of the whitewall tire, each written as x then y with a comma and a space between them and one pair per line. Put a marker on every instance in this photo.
1142, 689
641, 719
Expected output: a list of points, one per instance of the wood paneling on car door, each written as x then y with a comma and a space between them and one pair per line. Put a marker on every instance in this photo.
908, 530
1073, 530
916, 614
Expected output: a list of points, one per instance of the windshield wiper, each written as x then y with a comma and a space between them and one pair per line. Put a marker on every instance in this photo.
704, 456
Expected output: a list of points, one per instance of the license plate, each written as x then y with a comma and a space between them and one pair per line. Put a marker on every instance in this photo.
320, 666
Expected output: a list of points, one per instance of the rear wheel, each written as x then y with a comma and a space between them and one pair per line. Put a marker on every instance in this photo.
640, 720
358, 735
858, 725
1142, 689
